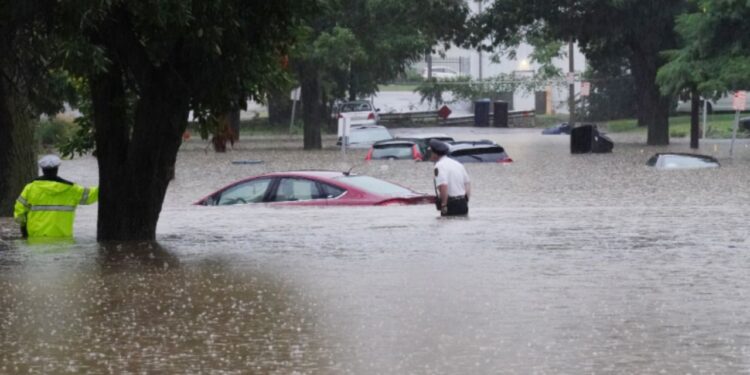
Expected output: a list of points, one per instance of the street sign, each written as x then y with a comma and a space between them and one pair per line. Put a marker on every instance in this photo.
571, 78
295, 94
444, 112
739, 102
585, 88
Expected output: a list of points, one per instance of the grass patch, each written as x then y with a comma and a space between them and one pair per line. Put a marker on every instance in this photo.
398, 87
720, 125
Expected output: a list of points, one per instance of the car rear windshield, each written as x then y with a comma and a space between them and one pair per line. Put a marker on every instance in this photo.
356, 107
375, 186
399, 151
370, 135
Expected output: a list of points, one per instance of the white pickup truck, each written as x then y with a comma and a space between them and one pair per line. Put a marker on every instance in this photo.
359, 112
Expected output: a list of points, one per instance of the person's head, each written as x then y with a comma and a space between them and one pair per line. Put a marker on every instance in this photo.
49, 164
438, 149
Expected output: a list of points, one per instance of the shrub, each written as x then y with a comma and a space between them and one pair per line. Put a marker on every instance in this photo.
51, 132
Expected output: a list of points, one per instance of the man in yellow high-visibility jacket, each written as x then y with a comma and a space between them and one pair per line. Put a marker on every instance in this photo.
46, 207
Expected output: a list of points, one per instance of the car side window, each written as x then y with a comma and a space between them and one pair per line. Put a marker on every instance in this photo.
330, 191
297, 189
246, 192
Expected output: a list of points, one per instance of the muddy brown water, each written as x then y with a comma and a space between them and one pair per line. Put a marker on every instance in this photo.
566, 264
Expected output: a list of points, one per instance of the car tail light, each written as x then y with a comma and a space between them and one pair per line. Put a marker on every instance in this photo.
369, 154
505, 161
371, 116
415, 153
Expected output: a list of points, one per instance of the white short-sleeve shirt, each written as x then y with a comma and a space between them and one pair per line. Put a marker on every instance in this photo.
452, 173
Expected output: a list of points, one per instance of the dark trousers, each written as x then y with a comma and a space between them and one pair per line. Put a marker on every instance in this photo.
457, 206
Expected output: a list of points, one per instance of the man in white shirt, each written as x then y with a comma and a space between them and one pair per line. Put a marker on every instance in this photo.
452, 183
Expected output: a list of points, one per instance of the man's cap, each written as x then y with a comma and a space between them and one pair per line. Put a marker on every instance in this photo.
438, 147
49, 161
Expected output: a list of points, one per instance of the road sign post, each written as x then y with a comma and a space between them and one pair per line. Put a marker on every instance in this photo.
739, 103
295, 95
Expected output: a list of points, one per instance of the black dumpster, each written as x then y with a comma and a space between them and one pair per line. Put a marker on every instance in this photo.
500, 118
745, 124
586, 138
482, 113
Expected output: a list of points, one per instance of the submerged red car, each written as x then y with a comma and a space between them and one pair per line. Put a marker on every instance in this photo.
315, 188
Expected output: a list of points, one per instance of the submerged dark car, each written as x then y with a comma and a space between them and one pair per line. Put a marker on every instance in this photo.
478, 152
561, 128
671, 161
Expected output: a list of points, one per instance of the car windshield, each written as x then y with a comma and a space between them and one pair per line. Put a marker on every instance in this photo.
376, 186
398, 151
369, 135
356, 107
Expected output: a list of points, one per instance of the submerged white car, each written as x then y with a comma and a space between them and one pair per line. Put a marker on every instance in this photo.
670, 161
360, 112
441, 72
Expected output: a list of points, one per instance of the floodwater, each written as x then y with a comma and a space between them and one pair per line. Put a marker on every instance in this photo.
567, 264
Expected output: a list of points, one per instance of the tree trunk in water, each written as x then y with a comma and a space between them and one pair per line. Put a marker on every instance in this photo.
311, 107
234, 124
695, 101
653, 108
135, 169
17, 148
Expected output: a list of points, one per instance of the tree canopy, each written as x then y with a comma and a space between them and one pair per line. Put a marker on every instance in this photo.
635, 29
147, 64
351, 46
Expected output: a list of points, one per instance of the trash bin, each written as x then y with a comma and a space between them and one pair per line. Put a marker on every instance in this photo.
500, 118
482, 113
586, 138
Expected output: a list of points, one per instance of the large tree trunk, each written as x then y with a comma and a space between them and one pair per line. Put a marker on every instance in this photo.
311, 106
653, 108
17, 147
135, 169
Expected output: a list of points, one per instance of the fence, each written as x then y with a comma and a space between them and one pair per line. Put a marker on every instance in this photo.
516, 119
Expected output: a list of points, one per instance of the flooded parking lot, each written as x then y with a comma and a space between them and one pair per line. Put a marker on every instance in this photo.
566, 264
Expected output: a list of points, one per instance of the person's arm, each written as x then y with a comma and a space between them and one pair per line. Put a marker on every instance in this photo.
21, 211
443, 190
89, 195
467, 187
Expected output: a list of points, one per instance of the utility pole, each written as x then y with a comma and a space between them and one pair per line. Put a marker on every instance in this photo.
481, 76
571, 87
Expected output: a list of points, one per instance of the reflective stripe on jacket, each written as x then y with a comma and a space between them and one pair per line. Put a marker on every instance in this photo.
47, 208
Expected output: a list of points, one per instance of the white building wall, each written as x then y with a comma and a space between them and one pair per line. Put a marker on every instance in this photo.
523, 101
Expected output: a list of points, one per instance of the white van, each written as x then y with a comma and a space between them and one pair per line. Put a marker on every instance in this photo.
441, 72
723, 104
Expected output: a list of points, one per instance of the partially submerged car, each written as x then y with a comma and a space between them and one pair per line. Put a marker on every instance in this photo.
561, 128
366, 136
670, 161
410, 147
395, 149
483, 151
315, 188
